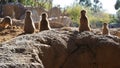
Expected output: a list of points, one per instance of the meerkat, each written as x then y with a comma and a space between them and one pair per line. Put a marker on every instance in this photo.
6, 22
44, 23
105, 29
29, 26
84, 24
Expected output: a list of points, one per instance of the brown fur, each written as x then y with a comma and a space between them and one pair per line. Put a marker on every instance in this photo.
29, 26
6, 22
105, 29
44, 23
83, 22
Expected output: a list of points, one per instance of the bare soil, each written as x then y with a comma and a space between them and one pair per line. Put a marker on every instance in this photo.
8, 34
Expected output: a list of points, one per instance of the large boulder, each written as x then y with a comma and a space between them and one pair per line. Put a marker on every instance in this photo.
14, 10
54, 12
63, 21
19, 10
8, 10
56, 16
61, 49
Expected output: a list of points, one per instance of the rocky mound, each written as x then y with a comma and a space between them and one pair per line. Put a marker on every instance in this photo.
61, 49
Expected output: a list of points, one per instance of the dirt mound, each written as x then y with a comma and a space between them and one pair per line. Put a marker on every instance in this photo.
62, 49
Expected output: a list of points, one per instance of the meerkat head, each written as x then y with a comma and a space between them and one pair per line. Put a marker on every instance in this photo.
83, 12
44, 15
7, 18
28, 13
105, 24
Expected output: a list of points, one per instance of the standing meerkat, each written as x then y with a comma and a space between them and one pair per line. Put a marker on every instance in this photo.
6, 22
44, 23
105, 29
29, 26
84, 25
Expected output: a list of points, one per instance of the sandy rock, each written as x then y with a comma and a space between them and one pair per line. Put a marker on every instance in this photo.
62, 49
61, 22
56, 24
94, 51
18, 23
